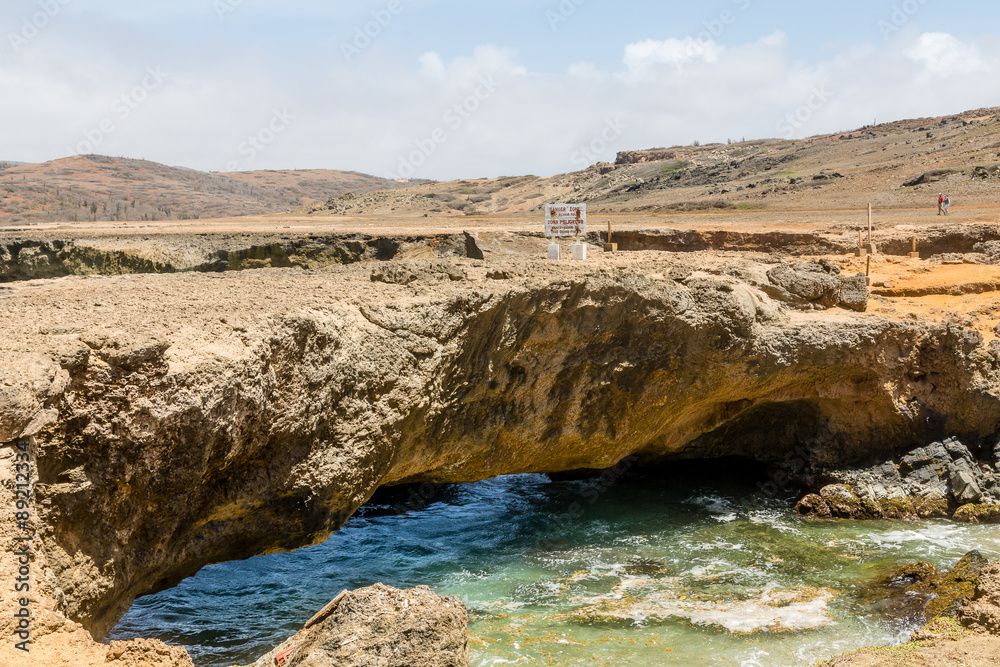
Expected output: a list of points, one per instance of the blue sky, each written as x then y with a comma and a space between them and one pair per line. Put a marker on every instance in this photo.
445, 89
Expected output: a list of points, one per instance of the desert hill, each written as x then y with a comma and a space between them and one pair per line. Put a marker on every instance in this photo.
903, 164
95, 187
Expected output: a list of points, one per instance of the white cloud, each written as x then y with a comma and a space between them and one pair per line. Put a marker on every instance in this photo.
645, 60
431, 66
776, 38
367, 114
944, 55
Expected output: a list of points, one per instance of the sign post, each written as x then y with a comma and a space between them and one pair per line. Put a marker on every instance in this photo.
872, 250
566, 221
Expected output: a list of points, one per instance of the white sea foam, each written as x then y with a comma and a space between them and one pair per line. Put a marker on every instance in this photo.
775, 519
778, 611
937, 540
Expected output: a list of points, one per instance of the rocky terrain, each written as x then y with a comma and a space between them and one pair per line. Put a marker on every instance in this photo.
179, 394
939, 480
960, 608
181, 419
894, 165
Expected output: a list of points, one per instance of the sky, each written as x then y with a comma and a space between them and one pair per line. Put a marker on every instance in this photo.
444, 89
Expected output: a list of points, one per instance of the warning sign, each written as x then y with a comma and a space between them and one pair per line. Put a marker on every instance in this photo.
565, 220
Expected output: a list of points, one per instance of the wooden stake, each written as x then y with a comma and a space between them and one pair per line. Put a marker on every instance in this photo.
869, 224
325, 611
610, 232
914, 244
868, 271
861, 239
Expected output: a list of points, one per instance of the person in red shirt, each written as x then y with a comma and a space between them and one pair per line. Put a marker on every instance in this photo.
940, 203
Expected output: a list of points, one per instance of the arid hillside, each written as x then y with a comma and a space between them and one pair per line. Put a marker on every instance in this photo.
899, 165
904, 164
98, 188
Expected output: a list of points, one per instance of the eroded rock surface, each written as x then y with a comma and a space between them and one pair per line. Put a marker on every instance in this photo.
184, 419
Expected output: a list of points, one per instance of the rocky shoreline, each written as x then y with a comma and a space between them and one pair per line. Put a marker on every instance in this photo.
960, 610
380, 625
942, 480
178, 420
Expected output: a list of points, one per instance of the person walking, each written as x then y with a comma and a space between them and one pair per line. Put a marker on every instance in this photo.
947, 205
940, 203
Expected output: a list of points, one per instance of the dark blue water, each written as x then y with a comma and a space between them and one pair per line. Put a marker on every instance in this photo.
652, 570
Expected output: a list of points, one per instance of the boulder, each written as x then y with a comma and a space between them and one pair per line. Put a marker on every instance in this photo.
982, 513
854, 293
928, 482
146, 653
842, 501
818, 284
814, 506
807, 281
956, 450
380, 626
983, 613
921, 592
964, 488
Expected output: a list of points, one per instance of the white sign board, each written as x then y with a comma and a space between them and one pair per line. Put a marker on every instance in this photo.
565, 220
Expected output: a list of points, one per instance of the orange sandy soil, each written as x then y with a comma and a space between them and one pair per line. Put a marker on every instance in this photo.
915, 289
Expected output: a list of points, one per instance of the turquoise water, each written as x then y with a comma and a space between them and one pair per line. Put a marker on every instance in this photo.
655, 569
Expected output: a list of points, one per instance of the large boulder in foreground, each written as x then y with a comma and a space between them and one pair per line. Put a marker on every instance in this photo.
381, 626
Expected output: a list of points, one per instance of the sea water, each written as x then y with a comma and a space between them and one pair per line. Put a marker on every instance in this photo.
650, 569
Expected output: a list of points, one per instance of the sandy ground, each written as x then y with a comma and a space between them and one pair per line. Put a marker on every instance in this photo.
755, 220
